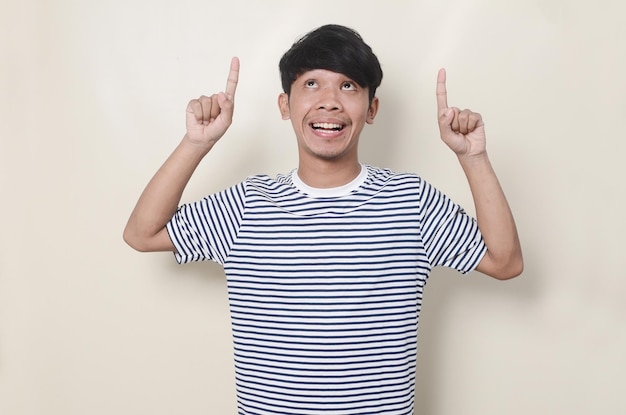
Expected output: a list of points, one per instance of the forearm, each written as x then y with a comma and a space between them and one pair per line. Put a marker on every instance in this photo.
495, 219
145, 230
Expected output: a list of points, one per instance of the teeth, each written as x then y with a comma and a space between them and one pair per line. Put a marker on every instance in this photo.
327, 126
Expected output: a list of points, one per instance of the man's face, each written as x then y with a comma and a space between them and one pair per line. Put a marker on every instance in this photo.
328, 111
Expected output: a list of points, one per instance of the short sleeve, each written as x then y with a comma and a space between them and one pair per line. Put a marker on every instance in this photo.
451, 237
207, 229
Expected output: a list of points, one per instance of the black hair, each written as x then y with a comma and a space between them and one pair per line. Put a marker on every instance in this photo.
335, 48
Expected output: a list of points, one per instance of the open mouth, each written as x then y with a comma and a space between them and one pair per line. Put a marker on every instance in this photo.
328, 127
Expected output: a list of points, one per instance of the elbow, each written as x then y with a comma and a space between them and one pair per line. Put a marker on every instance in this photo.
132, 240
502, 268
512, 269
143, 241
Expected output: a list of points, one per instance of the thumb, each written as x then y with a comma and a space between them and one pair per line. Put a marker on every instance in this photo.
226, 104
445, 117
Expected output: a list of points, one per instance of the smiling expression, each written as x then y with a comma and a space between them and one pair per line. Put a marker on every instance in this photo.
328, 111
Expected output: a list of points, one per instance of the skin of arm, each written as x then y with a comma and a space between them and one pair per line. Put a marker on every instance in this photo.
207, 119
464, 132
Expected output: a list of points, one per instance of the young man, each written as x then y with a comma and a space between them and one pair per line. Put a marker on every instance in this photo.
326, 265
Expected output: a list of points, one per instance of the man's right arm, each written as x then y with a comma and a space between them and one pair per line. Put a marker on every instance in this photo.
207, 120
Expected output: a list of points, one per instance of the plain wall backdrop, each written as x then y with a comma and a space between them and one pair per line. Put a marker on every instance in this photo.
92, 101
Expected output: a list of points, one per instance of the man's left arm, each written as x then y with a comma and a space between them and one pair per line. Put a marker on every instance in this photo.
464, 132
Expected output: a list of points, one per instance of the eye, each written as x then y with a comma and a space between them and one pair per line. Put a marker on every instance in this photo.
348, 86
310, 83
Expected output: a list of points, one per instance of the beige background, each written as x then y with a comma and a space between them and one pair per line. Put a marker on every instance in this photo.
92, 100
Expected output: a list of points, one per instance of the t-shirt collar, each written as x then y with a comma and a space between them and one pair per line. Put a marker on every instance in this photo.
339, 191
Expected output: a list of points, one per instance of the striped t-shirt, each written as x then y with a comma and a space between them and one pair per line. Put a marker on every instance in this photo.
325, 285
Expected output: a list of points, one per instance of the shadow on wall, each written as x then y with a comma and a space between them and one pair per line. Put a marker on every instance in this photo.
376, 145
446, 288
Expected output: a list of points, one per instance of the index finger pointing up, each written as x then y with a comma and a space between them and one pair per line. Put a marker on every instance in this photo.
442, 92
233, 78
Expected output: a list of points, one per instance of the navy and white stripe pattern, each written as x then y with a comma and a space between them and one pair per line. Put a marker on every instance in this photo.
325, 292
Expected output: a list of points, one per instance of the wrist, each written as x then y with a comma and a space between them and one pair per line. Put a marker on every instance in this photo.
469, 158
475, 163
195, 146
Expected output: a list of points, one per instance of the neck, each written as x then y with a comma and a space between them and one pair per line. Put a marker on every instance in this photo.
323, 174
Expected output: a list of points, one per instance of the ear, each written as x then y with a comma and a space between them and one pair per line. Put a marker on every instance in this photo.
372, 110
283, 105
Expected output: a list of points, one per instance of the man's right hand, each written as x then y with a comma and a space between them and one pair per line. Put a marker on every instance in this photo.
208, 118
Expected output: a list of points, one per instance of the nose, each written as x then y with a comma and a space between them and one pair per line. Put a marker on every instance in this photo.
329, 99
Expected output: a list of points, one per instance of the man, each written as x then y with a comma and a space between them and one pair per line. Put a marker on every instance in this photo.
326, 265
